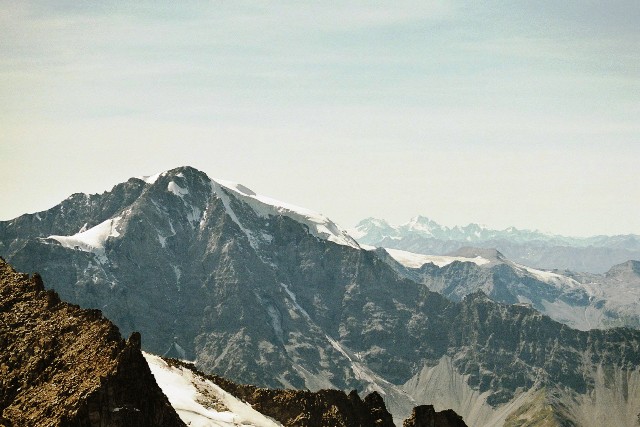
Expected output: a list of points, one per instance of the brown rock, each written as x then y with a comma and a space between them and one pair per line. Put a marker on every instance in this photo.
426, 416
64, 366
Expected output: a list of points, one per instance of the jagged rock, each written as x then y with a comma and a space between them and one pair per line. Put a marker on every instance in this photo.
64, 366
303, 408
426, 416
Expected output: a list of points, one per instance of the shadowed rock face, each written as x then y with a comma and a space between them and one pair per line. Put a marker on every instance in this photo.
426, 416
64, 366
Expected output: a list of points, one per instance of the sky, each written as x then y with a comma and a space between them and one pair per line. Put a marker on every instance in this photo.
502, 113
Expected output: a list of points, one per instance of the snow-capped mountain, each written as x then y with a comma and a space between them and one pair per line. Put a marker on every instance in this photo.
268, 294
422, 226
581, 300
533, 248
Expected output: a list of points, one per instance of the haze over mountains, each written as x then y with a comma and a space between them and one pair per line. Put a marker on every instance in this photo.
275, 295
595, 254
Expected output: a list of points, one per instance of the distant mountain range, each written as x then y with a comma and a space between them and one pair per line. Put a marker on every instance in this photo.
595, 254
267, 293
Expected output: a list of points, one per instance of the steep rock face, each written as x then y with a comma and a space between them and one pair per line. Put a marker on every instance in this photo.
426, 416
263, 296
64, 366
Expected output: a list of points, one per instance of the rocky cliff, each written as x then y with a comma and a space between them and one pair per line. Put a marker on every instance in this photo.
64, 366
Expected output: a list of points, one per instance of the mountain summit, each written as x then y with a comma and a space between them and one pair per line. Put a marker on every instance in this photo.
268, 294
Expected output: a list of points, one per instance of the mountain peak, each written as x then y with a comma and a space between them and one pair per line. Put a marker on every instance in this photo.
423, 220
182, 178
371, 221
421, 224
177, 171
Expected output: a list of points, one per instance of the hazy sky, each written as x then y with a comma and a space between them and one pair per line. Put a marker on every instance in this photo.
522, 113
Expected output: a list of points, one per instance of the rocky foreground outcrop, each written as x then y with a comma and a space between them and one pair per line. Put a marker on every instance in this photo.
64, 366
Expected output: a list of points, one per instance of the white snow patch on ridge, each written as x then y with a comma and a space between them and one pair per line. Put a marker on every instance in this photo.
318, 224
177, 190
195, 215
217, 189
190, 395
413, 260
553, 278
93, 239
152, 178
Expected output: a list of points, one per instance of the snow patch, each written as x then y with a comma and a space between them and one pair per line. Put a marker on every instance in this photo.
413, 260
190, 395
226, 201
359, 370
318, 224
294, 300
92, 240
150, 179
178, 273
177, 190
196, 214
555, 279
163, 239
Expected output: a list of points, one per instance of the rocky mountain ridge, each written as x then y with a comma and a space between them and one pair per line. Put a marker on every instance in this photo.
595, 254
302, 408
271, 299
213, 401
65, 366
581, 300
